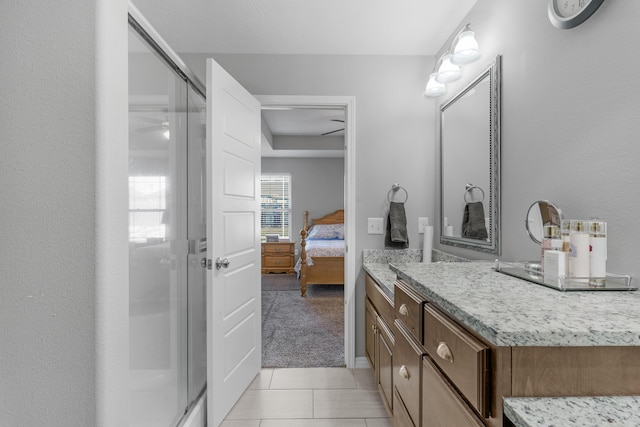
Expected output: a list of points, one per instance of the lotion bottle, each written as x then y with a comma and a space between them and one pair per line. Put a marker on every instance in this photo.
579, 250
598, 254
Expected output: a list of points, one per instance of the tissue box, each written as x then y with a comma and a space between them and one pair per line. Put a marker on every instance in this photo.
272, 238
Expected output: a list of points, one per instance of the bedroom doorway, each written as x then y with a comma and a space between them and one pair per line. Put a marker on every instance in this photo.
339, 114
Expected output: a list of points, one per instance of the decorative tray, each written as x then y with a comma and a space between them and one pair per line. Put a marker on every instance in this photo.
612, 282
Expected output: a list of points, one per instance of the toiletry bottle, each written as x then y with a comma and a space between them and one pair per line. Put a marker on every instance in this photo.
579, 250
550, 233
598, 254
564, 234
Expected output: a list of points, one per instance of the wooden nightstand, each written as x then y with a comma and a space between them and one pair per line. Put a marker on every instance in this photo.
277, 257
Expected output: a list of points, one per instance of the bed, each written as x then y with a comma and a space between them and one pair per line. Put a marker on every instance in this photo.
322, 251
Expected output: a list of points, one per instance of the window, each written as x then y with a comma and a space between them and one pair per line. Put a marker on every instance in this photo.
275, 203
147, 208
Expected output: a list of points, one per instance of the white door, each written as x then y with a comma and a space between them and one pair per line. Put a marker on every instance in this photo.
233, 241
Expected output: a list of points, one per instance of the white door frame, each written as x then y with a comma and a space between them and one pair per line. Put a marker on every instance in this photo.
349, 105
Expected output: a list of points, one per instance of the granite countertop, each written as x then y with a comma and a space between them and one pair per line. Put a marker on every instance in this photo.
507, 311
573, 411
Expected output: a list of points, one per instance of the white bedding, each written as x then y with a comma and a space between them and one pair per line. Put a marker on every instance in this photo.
320, 248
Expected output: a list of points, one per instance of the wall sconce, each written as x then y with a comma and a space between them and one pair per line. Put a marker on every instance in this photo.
447, 68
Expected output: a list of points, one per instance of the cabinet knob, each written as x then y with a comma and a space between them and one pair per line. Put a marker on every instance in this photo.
444, 352
404, 372
403, 310
373, 327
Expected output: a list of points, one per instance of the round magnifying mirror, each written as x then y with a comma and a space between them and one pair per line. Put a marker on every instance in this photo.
541, 213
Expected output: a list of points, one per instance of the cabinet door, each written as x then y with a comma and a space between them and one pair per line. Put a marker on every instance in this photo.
385, 363
401, 417
441, 404
370, 334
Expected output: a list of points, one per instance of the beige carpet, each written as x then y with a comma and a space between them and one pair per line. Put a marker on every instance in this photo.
301, 332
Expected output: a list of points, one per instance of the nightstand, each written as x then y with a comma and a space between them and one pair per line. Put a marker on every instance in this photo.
277, 257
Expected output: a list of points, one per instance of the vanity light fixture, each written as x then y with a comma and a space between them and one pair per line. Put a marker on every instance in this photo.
447, 69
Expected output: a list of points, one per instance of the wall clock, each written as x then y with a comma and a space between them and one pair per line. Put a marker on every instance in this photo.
566, 14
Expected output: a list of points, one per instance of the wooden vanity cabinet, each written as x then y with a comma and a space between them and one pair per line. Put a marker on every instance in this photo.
379, 339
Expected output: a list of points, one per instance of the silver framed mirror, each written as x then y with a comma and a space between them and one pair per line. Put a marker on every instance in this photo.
470, 164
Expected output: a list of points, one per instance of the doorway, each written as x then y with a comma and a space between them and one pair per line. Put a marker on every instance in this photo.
346, 104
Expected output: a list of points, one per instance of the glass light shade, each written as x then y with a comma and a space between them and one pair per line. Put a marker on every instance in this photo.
448, 71
466, 50
434, 88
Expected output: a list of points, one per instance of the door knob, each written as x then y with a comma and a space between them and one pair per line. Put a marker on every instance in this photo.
222, 263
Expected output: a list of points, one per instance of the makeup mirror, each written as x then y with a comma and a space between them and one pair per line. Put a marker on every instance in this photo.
541, 213
470, 164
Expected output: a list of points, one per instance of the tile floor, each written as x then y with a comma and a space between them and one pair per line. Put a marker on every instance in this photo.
310, 397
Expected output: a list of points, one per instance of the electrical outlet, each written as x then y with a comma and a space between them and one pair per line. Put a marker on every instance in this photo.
423, 222
374, 225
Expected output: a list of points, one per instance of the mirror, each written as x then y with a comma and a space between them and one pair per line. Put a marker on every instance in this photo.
470, 163
542, 213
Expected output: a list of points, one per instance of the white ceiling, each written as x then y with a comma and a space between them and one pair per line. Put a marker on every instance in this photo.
327, 27
340, 27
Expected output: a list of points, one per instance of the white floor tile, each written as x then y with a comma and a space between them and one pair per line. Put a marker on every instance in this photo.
240, 423
356, 403
270, 404
313, 378
262, 381
315, 423
365, 379
378, 422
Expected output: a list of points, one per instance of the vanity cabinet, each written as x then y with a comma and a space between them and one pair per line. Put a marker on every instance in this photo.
448, 371
379, 339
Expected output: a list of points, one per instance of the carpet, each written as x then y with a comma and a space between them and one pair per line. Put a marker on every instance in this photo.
301, 332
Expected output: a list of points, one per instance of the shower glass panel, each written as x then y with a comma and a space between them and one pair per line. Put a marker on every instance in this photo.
158, 315
197, 230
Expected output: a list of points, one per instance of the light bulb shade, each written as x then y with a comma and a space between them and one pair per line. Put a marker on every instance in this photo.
434, 88
448, 72
466, 50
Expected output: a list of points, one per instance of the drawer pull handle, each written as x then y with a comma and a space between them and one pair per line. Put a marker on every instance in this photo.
404, 372
444, 352
403, 310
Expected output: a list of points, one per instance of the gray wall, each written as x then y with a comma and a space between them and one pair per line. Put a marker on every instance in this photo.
317, 186
47, 255
63, 215
570, 106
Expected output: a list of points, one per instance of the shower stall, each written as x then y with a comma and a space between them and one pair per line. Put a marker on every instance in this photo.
167, 229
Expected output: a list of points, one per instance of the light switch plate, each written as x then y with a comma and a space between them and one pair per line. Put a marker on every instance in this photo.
374, 225
423, 222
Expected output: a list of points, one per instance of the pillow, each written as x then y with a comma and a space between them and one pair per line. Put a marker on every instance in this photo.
326, 232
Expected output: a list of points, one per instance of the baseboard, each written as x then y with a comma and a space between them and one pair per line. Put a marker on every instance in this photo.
197, 416
362, 363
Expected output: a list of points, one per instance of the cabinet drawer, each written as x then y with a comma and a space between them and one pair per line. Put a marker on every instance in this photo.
407, 361
462, 358
277, 261
408, 308
383, 304
275, 248
441, 404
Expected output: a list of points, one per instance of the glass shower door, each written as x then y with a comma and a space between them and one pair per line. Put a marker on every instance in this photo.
158, 314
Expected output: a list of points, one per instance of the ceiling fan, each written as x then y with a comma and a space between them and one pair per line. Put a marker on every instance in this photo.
334, 131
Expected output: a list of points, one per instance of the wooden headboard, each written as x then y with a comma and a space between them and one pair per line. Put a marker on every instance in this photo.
336, 217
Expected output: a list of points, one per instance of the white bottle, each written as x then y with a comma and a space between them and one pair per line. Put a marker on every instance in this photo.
579, 250
598, 254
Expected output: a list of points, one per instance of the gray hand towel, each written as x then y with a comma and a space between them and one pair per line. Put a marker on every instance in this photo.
396, 236
473, 221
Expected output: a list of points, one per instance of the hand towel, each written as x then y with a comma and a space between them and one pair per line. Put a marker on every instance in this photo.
396, 236
473, 221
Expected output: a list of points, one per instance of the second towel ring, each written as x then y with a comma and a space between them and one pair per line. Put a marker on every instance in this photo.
469, 188
394, 189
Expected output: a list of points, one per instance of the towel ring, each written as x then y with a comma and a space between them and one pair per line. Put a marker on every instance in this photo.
394, 189
469, 189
